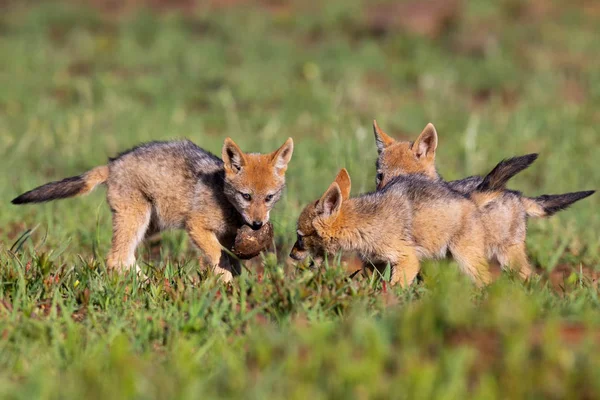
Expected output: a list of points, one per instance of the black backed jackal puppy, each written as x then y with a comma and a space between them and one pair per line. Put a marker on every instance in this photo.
504, 212
165, 185
411, 219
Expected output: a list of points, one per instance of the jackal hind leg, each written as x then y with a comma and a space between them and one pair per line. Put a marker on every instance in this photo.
469, 252
516, 255
130, 220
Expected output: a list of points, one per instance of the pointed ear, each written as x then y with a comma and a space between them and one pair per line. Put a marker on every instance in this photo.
233, 157
331, 202
282, 156
426, 143
343, 181
381, 139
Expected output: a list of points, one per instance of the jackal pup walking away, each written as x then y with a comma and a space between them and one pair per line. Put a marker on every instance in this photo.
504, 212
411, 219
164, 185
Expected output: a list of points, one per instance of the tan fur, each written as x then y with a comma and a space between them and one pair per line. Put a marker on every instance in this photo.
94, 178
532, 208
484, 198
503, 213
399, 226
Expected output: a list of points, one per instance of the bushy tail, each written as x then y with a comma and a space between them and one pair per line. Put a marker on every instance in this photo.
550, 204
506, 169
68, 187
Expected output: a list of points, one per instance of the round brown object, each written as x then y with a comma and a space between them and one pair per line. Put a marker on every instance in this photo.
249, 243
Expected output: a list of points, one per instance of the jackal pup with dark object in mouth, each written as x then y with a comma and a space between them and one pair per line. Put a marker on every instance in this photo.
164, 185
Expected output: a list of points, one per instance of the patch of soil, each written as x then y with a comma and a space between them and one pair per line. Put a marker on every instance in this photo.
80, 68
591, 8
428, 18
65, 95
559, 275
476, 40
13, 231
487, 344
509, 98
570, 334
574, 92
123, 6
530, 10
116, 7
5, 307
128, 73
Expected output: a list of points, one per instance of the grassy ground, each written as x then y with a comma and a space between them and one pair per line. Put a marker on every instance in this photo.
498, 78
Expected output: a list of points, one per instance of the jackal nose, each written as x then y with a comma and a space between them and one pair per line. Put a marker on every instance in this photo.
256, 225
295, 256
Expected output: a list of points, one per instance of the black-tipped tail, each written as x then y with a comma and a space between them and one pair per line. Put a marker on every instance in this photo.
550, 204
506, 169
68, 187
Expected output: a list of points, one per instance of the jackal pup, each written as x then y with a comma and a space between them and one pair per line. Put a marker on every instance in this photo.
162, 185
504, 212
412, 218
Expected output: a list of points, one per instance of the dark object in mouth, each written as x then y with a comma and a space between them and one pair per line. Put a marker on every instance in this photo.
249, 243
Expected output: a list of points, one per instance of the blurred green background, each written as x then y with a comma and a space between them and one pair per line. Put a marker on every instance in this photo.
82, 81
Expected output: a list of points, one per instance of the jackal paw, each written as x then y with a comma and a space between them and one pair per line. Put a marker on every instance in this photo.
223, 274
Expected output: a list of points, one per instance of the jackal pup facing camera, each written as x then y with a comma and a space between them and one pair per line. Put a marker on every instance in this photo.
411, 219
504, 212
162, 185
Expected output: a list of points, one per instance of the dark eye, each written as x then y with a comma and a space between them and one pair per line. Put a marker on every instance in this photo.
247, 196
379, 178
300, 241
269, 198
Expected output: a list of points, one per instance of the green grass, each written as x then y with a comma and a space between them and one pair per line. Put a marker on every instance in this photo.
78, 87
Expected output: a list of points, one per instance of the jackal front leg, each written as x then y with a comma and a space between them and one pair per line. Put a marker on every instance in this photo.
405, 266
210, 247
